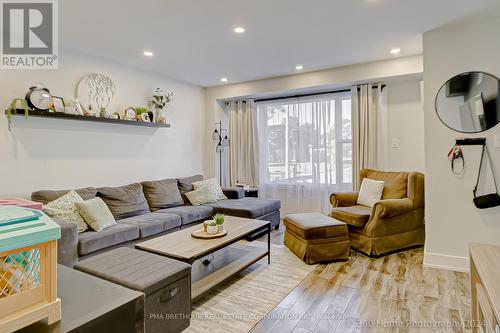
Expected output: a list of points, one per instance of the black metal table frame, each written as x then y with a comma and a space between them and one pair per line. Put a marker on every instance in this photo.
267, 227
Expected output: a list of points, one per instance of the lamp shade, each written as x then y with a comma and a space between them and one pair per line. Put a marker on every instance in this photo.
215, 135
225, 141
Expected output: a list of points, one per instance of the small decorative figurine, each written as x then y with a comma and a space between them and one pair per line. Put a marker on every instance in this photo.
130, 114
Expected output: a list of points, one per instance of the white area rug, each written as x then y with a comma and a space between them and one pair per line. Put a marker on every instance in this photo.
242, 301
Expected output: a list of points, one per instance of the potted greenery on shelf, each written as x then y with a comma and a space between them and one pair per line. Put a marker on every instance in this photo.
12, 108
142, 114
158, 103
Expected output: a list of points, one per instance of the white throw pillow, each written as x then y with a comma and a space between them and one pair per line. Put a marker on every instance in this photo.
64, 208
96, 214
201, 196
213, 186
370, 192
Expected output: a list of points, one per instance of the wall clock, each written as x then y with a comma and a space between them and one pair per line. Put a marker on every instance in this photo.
38, 98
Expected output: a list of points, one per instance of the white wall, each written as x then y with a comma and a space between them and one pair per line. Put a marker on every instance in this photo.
404, 142
451, 218
404, 97
56, 154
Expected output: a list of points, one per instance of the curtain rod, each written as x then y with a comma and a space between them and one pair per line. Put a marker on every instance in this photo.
227, 103
306, 95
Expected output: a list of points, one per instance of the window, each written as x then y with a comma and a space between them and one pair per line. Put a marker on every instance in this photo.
306, 140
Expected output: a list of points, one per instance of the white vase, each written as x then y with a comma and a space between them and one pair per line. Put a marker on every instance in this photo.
160, 116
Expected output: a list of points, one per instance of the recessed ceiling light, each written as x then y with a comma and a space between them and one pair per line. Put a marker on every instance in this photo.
239, 30
299, 67
395, 51
148, 53
223, 79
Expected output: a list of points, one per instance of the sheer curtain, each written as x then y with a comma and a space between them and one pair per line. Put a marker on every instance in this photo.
305, 150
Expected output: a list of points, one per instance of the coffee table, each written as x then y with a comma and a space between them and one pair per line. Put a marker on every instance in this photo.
225, 258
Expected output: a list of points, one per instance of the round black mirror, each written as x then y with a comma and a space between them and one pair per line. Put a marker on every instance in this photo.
469, 102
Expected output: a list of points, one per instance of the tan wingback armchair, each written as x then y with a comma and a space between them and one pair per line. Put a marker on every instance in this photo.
394, 223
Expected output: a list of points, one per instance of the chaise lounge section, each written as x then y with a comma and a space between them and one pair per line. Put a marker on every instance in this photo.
148, 210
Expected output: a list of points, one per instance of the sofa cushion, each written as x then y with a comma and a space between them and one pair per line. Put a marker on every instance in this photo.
395, 183
91, 241
186, 185
153, 223
314, 225
46, 196
162, 194
189, 214
124, 201
246, 207
357, 215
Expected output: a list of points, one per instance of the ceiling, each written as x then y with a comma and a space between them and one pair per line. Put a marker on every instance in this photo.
194, 41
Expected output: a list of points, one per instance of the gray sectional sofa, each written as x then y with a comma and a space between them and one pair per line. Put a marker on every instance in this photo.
148, 210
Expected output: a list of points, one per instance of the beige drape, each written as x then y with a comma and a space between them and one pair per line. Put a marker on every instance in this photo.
366, 103
243, 137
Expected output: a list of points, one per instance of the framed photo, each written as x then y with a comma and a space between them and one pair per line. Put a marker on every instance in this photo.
130, 114
58, 103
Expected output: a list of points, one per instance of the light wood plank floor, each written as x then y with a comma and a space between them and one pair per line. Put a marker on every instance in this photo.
390, 294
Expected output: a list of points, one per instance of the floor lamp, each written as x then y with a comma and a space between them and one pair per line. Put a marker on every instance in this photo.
221, 143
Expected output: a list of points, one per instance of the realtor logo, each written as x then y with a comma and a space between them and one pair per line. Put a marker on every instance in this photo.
29, 34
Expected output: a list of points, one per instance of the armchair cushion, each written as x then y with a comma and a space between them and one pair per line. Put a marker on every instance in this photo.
393, 207
357, 215
370, 192
395, 183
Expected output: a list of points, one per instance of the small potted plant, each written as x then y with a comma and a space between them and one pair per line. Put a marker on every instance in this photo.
212, 228
219, 220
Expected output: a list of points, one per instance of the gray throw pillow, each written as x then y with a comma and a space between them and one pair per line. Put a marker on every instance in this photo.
124, 201
162, 194
186, 185
96, 214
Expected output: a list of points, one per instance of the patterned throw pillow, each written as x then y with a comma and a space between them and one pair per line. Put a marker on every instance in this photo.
64, 208
213, 186
201, 196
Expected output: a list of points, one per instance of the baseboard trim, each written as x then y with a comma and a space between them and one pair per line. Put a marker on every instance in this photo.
446, 262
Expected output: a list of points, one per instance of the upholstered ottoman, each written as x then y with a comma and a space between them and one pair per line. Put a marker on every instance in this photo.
165, 282
315, 237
